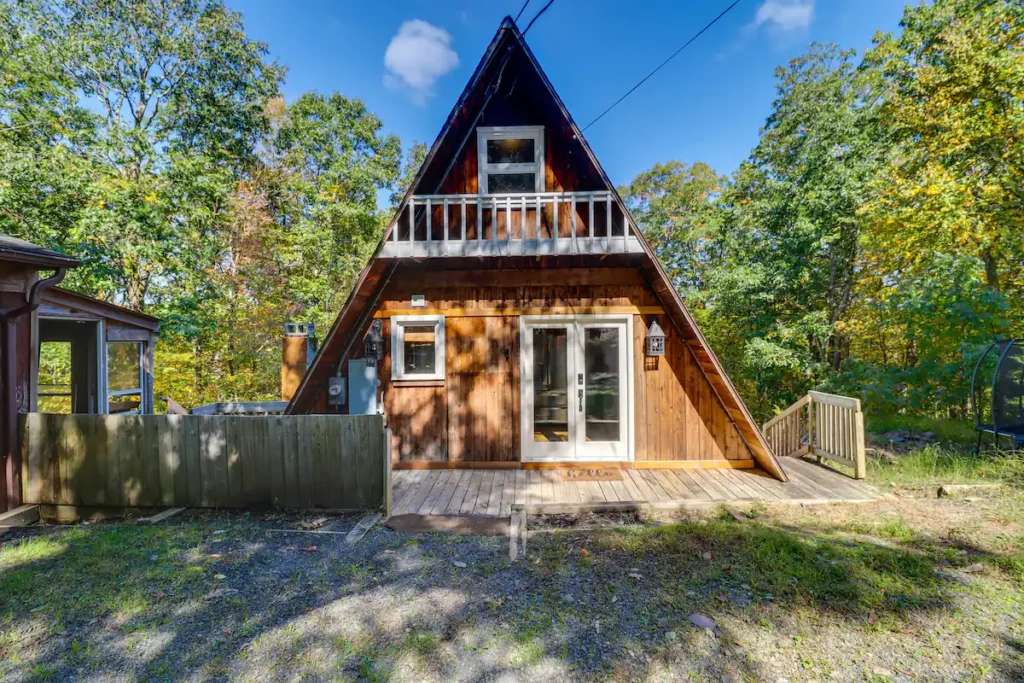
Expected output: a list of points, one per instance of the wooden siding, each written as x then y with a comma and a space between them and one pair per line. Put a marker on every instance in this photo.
676, 413
472, 416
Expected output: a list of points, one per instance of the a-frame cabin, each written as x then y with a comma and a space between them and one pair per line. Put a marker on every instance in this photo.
504, 319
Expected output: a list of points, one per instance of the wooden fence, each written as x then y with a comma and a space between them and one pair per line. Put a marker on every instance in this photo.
823, 425
338, 462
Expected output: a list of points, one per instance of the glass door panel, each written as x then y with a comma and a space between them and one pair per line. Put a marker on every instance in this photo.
550, 384
549, 413
574, 389
602, 419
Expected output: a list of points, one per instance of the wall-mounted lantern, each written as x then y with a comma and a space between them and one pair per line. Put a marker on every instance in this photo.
654, 345
373, 343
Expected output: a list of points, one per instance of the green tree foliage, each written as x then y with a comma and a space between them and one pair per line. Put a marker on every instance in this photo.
872, 242
149, 138
676, 205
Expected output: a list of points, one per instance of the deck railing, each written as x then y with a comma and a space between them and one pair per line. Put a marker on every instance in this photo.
824, 425
507, 225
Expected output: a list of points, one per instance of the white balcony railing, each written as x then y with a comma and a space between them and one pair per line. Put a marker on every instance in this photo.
511, 225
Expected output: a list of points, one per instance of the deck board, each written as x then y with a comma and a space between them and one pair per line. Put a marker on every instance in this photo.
476, 479
496, 493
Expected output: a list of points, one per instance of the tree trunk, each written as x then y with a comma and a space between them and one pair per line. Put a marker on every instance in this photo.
991, 270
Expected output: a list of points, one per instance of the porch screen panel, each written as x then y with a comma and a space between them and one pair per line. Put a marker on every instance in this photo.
55, 377
124, 377
550, 385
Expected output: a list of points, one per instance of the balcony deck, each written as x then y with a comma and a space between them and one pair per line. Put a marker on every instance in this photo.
543, 223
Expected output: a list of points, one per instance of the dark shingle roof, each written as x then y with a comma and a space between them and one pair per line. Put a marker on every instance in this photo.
20, 251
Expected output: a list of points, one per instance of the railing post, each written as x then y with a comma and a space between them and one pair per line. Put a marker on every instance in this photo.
860, 452
444, 237
522, 227
810, 426
572, 203
430, 224
608, 216
387, 471
590, 225
540, 206
412, 223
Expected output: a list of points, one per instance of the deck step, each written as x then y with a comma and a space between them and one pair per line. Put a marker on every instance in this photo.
26, 515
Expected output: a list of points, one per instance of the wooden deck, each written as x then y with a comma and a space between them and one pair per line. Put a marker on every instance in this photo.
494, 493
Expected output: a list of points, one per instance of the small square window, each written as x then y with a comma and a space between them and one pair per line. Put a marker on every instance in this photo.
511, 183
417, 347
510, 159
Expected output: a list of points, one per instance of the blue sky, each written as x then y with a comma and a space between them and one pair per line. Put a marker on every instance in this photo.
706, 105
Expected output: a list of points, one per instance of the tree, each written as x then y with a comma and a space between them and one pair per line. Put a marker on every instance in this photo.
338, 162
676, 207
952, 84
179, 92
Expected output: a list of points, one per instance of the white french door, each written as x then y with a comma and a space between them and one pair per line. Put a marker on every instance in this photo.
575, 388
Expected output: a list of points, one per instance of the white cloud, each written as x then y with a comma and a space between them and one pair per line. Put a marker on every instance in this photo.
416, 57
785, 16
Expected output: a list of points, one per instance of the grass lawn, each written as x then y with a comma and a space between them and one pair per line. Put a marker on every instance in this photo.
902, 589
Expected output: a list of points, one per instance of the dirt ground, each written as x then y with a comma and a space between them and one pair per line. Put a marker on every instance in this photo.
908, 588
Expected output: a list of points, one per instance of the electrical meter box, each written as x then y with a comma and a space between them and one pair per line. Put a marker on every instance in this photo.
362, 388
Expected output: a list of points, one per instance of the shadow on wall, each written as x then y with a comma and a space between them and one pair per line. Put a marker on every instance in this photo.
222, 596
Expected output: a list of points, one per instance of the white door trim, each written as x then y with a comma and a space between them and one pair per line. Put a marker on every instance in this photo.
526, 323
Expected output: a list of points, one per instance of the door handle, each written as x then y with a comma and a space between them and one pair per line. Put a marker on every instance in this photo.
580, 393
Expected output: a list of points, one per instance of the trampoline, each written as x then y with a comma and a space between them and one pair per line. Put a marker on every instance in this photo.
997, 392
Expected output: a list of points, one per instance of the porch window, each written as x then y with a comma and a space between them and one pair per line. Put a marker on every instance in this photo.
55, 377
510, 159
124, 377
417, 347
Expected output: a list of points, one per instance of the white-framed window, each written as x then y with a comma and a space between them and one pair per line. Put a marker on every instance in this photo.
510, 159
417, 347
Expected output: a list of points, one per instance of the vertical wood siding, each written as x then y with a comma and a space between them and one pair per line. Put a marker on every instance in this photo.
473, 414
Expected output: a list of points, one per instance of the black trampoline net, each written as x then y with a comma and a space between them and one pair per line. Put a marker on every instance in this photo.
1008, 391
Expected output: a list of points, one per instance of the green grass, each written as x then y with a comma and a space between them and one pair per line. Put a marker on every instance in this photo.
946, 430
85, 571
935, 464
808, 568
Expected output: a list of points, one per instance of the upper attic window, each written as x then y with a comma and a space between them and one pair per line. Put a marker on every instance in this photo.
510, 159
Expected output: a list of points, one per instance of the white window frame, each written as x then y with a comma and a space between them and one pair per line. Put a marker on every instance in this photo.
121, 393
484, 169
398, 325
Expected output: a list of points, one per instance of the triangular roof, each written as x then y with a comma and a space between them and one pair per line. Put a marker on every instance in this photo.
508, 44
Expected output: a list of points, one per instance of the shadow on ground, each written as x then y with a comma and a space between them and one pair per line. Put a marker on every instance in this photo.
218, 597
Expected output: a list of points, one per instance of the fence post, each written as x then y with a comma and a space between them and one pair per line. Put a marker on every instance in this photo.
387, 471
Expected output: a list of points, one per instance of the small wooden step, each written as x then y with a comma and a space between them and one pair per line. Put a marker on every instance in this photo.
25, 515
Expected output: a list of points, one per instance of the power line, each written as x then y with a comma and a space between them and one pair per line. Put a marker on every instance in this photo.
537, 16
521, 10
658, 68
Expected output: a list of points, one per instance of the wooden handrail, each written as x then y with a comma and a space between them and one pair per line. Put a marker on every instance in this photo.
788, 411
832, 428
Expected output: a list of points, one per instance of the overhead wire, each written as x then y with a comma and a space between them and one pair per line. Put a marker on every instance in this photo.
521, 10
659, 67
538, 15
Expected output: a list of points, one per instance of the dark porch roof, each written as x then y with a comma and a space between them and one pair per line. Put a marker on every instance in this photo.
14, 250
98, 308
